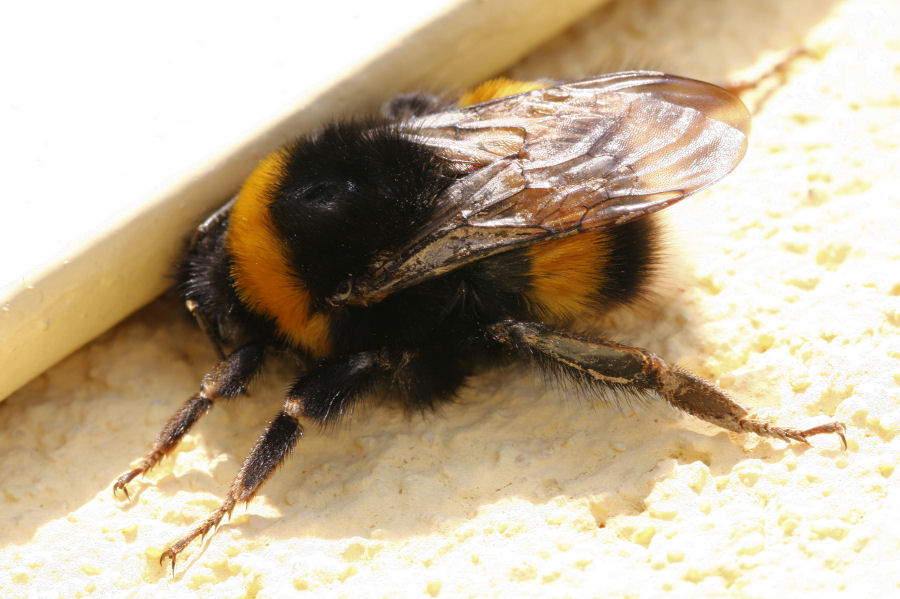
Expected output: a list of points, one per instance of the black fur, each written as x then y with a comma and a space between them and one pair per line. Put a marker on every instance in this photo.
329, 389
356, 189
633, 259
204, 277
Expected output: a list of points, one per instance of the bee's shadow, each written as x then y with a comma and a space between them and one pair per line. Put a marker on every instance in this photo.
511, 436
387, 477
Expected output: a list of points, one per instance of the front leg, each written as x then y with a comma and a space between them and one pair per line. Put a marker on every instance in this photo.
227, 378
605, 364
324, 394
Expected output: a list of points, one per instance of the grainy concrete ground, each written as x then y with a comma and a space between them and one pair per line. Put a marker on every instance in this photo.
783, 284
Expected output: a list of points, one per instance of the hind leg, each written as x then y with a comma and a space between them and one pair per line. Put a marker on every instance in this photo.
605, 364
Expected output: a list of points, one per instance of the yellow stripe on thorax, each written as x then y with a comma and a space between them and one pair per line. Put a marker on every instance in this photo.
260, 266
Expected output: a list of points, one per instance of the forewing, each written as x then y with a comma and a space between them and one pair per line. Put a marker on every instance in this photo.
562, 160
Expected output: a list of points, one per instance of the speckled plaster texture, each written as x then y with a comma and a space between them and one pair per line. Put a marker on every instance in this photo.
782, 284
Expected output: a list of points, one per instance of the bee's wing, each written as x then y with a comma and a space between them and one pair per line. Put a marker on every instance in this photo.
562, 160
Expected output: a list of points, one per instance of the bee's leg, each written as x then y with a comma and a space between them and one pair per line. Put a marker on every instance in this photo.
606, 364
210, 230
768, 82
228, 378
324, 393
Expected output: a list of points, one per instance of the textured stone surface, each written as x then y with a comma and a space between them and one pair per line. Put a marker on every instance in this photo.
782, 285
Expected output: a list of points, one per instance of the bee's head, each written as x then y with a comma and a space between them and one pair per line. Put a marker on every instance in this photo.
204, 281
317, 213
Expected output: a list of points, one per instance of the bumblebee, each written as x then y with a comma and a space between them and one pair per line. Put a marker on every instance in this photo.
402, 254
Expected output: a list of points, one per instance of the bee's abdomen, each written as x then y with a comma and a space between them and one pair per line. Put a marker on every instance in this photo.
591, 271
